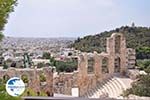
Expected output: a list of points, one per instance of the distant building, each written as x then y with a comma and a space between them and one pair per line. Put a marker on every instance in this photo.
36, 61
8, 55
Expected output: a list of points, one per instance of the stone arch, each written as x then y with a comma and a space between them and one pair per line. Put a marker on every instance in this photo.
104, 66
25, 78
90, 66
117, 47
48, 93
117, 65
117, 44
117, 34
38, 93
42, 77
26, 73
12, 72
75, 60
116, 41
6, 77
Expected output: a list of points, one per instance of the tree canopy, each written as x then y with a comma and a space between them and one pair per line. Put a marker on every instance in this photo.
6, 7
46, 55
136, 37
141, 86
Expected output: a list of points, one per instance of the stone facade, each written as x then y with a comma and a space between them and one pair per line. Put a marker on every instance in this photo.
131, 58
33, 77
105, 64
94, 67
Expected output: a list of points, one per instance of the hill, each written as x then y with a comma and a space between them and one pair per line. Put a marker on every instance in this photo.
136, 37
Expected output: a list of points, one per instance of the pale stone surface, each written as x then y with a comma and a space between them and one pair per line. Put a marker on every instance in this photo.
115, 49
33, 77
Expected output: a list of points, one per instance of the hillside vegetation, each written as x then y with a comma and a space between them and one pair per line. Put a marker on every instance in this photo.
136, 37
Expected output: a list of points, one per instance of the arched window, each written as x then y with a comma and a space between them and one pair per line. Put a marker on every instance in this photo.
105, 65
90, 65
117, 65
5, 78
25, 78
117, 43
42, 77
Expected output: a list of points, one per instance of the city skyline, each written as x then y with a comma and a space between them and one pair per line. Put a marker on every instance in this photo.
75, 18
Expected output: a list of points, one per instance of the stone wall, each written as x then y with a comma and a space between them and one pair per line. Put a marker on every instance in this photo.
131, 58
33, 77
88, 81
95, 67
104, 65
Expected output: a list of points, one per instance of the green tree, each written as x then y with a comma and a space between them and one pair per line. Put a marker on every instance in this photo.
137, 38
143, 52
66, 66
52, 61
6, 7
40, 65
5, 66
1, 36
46, 55
141, 87
4, 95
143, 64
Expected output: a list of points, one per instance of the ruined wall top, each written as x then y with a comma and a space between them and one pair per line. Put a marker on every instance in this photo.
116, 34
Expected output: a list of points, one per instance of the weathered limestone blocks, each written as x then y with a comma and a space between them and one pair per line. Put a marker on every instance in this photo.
34, 82
33, 77
49, 81
94, 67
97, 66
115, 61
116, 47
82, 65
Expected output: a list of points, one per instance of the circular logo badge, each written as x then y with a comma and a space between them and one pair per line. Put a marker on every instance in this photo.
15, 86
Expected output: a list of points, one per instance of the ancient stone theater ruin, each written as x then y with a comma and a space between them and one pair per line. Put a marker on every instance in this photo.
94, 70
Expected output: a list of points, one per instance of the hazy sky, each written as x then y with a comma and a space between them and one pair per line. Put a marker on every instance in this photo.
74, 18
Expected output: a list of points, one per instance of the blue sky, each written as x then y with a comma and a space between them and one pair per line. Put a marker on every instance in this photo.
74, 18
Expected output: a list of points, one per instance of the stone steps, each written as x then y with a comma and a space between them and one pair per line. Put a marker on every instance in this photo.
116, 88
111, 90
112, 87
